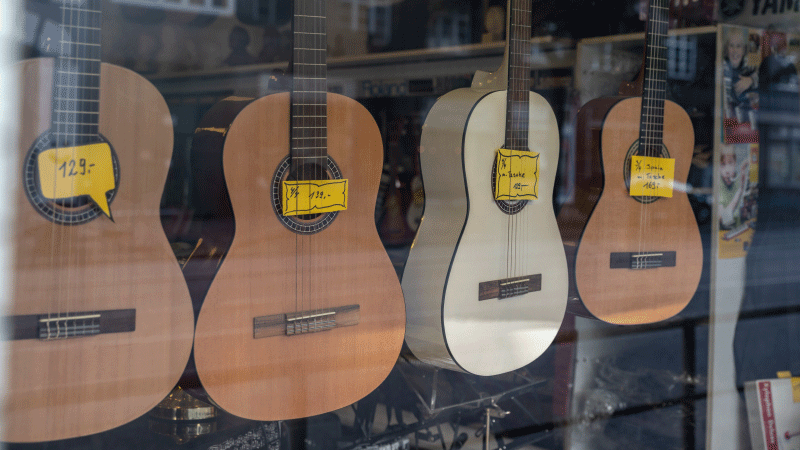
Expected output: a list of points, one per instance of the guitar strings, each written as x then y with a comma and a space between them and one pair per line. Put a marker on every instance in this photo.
58, 140
657, 95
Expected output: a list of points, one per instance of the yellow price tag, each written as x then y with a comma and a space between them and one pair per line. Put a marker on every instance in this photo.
517, 175
314, 197
652, 177
73, 171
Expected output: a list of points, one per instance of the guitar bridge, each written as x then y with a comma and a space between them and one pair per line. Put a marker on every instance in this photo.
54, 326
509, 287
640, 261
70, 326
304, 322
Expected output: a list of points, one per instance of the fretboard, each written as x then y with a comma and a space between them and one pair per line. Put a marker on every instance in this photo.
76, 78
309, 101
655, 79
519, 74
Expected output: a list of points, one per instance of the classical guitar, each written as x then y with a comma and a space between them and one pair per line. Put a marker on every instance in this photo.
100, 322
305, 314
393, 228
486, 279
631, 236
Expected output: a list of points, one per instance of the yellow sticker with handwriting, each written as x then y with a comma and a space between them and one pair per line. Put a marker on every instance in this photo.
796, 389
72, 171
313, 197
517, 175
652, 177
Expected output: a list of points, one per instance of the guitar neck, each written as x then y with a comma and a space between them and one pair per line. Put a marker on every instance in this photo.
519, 74
76, 78
655, 78
309, 92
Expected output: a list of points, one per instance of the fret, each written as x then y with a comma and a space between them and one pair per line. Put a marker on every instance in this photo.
75, 123
74, 87
82, 27
62, 111
67, 72
79, 43
74, 100
80, 59
80, 9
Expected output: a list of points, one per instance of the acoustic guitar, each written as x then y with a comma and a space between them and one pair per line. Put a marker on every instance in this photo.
486, 278
305, 314
636, 258
100, 321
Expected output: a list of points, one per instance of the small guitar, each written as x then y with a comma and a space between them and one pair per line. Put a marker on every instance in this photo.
305, 314
486, 279
393, 228
100, 322
636, 258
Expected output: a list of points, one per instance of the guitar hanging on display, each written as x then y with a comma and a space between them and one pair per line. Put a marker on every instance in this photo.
486, 278
305, 314
631, 235
100, 322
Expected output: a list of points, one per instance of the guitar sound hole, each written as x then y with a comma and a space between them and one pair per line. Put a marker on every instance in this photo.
508, 207
308, 172
65, 211
306, 223
626, 170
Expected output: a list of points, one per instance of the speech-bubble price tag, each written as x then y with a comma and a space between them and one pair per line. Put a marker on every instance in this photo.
651, 176
516, 175
73, 171
313, 196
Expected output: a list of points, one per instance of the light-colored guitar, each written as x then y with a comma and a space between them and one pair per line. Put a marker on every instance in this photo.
637, 258
486, 279
100, 322
305, 314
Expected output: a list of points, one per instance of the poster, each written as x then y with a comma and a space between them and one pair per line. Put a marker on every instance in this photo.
742, 55
738, 172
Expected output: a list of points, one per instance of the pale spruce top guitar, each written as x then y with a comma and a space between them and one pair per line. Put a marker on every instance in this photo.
486, 279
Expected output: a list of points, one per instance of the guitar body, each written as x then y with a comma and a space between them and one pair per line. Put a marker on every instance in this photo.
620, 223
462, 241
270, 270
64, 388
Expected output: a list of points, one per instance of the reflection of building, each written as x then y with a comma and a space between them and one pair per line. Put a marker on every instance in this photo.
449, 28
352, 22
682, 57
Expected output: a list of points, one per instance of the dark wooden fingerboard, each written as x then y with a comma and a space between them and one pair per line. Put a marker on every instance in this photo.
519, 75
655, 79
76, 78
309, 102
